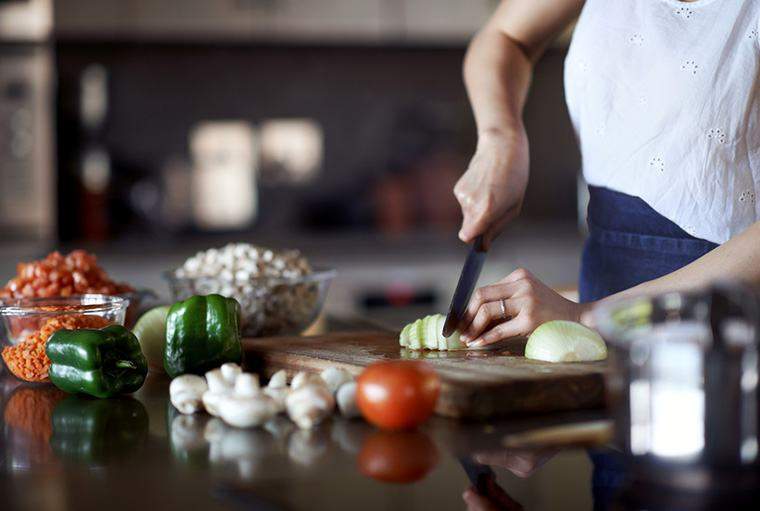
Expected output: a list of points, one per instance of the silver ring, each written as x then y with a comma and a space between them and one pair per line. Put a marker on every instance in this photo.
503, 308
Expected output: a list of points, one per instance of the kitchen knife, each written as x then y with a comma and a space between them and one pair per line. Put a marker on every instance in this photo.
478, 474
465, 286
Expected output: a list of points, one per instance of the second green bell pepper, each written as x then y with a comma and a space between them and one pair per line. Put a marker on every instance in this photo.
101, 363
202, 333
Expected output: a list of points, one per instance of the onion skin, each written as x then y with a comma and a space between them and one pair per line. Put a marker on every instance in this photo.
565, 341
152, 338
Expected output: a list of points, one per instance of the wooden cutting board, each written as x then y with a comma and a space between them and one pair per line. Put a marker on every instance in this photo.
475, 384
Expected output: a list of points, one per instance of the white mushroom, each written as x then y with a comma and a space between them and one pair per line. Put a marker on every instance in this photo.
334, 378
230, 372
216, 381
211, 402
278, 380
246, 411
278, 390
247, 385
302, 378
346, 399
309, 404
186, 393
246, 405
279, 395
217, 388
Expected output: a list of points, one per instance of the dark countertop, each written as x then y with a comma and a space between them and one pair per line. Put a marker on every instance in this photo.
66, 452
60, 452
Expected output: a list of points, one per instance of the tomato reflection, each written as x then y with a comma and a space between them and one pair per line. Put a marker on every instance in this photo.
397, 456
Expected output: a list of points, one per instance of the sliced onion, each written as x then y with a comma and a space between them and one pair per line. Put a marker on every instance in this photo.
565, 341
426, 333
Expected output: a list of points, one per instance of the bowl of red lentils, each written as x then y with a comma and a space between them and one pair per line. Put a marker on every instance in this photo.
64, 275
27, 323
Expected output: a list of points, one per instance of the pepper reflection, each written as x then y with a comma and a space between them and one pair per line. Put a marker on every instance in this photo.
98, 431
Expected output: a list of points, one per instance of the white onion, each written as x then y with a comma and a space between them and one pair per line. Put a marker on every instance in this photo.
565, 341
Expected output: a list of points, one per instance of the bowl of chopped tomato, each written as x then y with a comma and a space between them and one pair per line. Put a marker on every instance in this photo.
27, 323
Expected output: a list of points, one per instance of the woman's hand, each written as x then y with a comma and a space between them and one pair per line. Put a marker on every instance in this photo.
496, 500
491, 191
521, 462
514, 307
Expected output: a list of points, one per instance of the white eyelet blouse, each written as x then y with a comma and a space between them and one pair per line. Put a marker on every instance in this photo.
664, 97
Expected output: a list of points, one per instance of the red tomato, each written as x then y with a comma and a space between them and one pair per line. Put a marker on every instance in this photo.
397, 394
397, 456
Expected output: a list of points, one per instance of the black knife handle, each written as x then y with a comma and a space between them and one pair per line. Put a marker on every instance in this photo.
477, 244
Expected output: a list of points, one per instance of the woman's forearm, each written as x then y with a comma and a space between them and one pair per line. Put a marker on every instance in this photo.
738, 259
499, 63
497, 74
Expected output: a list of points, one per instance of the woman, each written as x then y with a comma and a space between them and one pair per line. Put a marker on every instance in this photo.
664, 96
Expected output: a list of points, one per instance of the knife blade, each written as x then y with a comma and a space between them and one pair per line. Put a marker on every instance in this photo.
478, 474
467, 280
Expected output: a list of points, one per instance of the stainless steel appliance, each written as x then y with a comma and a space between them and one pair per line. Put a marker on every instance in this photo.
27, 184
685, 388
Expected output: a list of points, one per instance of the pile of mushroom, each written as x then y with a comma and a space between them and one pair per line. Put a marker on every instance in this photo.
238, 399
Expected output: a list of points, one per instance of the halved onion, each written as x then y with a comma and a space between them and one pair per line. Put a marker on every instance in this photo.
150, 331
565, 341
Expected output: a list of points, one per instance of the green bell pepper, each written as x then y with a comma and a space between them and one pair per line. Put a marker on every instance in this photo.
101, 363
94, 431
202, 333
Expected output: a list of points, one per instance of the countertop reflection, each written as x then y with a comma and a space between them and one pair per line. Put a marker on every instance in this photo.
71, 452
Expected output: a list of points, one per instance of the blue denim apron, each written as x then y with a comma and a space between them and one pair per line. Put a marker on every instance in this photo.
629, 243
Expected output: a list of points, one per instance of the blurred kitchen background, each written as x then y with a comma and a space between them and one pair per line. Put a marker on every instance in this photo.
146, 130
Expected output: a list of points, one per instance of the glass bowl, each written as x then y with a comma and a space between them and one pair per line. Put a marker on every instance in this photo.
140, 300
22, 316
269, 306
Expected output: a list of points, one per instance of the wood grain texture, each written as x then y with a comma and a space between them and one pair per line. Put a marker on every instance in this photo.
475, 384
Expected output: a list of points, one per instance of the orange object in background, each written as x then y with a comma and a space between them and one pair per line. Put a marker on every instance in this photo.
397, 456
28, 361
57, 275
398, 394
